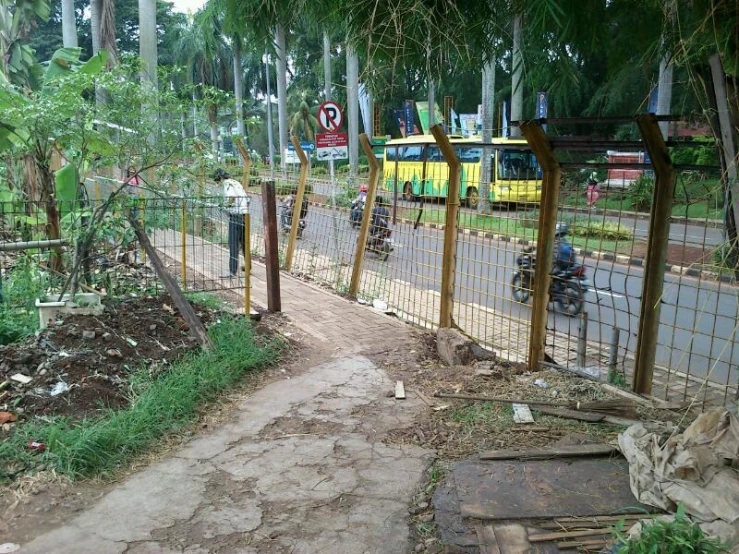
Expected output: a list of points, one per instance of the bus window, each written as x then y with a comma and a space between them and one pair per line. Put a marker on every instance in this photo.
390, 153
518, 164
412, 153
433, 154
469, 155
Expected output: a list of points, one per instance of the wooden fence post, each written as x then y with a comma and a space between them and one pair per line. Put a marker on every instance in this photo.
451, 226
271, 248
300, 194
654, 261
551, 175
366, 217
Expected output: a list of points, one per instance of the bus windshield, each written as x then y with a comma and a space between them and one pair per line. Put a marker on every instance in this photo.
518, 164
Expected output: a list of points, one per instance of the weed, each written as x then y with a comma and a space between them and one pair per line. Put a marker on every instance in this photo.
640, 192
670, 537
18, 294
160, 405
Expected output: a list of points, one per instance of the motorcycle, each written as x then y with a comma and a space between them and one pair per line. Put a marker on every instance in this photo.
378, 240
567, 287
286, 215
356, 212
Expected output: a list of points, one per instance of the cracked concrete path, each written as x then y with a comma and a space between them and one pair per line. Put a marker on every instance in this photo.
300, 469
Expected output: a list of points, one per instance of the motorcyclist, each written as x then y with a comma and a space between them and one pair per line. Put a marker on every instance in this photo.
564, 254
380, 213
362, 196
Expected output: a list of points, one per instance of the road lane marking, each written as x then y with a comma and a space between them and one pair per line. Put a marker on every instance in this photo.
608, 293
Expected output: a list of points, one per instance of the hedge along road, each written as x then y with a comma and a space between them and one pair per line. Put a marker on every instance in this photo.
689, 336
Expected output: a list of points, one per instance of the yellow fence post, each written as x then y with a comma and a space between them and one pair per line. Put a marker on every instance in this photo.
247, 162
183, 246
298, 203
654, 261
366, 217
451, 226
551, 174
247, 265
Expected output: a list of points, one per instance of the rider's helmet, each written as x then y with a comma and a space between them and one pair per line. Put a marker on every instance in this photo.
220, 175
362, 188
561, 230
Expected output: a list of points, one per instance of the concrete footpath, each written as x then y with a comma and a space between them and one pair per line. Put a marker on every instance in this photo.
300, 468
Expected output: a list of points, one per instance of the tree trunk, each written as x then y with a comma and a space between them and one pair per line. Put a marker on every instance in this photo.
517, 70
96, 10
238, 89
213, 121
352, 109
69, 24
326, 66
282, 123
488, 108
726, 106
432, 104
270, 128
148, 40
107, 31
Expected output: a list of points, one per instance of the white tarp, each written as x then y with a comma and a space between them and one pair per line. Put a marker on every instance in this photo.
692, 469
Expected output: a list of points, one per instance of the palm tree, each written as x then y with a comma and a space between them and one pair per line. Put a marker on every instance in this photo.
517, 73
303, 124
148, 40
17, 18
69, 24
208, 61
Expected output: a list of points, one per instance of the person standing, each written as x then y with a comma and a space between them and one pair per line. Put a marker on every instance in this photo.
592, 191
237, 205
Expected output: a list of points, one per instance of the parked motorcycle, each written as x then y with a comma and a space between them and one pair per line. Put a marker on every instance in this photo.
567, 287
286, 215
379, 240
356, 212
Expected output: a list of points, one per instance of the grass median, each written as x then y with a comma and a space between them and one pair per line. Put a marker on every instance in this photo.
160, 405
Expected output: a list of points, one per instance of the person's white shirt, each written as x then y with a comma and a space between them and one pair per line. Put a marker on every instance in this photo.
237, 201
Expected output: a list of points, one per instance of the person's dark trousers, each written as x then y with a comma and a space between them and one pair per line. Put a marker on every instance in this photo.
235, 241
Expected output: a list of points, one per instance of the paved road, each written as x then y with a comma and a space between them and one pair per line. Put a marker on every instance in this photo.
680, 233
690, 337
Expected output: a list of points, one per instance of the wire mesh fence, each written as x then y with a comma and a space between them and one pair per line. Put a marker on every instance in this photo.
498, 227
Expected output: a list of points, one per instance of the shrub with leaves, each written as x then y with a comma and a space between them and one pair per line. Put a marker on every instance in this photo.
640, 192
679, 536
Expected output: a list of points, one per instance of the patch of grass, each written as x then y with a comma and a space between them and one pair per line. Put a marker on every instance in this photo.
160, 405
18, 293
207, 299
670, 537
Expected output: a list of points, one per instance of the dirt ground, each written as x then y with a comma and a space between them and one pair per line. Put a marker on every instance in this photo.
81, 364
32, 505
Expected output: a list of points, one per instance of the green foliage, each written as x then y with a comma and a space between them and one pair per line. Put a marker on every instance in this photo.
161, 405
20, 289
319, 170
283, 188
700, 155
679, 536
640, 192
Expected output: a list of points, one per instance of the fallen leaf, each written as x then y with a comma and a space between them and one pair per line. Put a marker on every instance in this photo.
6, 417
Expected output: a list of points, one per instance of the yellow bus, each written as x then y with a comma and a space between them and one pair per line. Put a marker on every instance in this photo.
416, 167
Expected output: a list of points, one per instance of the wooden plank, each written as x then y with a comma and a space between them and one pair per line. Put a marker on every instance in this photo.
487, 542
183, 306
399, 390
522, 413
579, 450
512, 539
571, 414
425, 399
588, 545
548, 537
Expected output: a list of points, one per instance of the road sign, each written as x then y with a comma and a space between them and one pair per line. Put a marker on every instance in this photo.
330, 116
332, 146
305, 145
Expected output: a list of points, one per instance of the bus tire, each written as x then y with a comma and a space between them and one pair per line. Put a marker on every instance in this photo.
407, 191
473, 198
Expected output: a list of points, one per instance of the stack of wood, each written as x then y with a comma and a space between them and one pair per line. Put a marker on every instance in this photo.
585, 534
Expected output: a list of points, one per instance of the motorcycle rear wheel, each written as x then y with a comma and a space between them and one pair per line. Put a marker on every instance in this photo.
521, 288
571, 300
